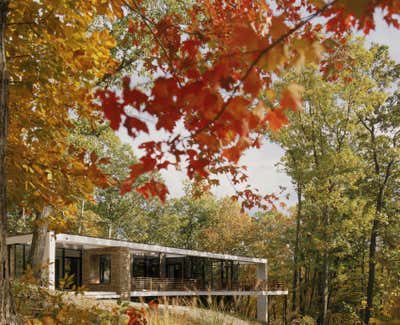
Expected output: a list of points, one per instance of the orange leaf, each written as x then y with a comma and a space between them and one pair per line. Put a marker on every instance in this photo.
276, 119
278, 27
291, 97
252, 84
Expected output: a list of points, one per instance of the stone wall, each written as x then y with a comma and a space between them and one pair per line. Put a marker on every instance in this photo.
120, 279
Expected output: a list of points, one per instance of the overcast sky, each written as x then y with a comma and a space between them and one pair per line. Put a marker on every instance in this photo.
262, 170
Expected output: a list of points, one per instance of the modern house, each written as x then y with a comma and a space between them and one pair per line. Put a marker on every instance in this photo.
120, 269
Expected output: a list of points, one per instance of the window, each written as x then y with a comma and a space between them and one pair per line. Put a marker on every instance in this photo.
19, 260
21, 257
105, 268
69, 262
138, 267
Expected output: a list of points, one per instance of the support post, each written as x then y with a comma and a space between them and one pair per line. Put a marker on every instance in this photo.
262, 300
123, 265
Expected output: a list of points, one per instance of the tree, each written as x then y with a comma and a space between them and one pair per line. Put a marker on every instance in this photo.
47, 45
216, 58
115, 213
7, 314
378, 141
320, 135
334, 156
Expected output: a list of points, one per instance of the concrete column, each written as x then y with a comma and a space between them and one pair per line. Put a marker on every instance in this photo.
49, 259
262, 300
123, 264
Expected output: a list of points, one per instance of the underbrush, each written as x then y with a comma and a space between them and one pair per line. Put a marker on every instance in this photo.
38, 305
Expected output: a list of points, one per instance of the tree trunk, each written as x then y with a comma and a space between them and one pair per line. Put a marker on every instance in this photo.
81, 218
372, 262
313, 285
325, 273
7, 312
296, 250
40, 229
325, 290
303, 282
110, 230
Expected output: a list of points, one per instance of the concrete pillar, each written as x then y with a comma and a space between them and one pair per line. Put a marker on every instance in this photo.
49, 259
123, 265
262, 300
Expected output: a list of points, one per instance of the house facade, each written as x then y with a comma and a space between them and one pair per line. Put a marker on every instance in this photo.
110, 268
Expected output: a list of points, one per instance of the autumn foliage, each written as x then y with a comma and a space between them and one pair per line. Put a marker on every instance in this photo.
53, 65
213, 68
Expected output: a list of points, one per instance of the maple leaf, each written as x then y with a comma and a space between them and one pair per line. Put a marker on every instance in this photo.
291, 97
112, 109
134, 123
278, 26
153, 188
165, 88
133, 97
252, 84
276, 118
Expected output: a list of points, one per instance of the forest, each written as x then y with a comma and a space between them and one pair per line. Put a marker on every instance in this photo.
195, 85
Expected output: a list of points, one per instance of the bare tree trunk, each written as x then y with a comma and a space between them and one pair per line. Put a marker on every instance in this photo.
296, 250
24, 219
372, 262
81, 218
7, 312
40, 229
110, 230
303, 280
325, 275
325, 290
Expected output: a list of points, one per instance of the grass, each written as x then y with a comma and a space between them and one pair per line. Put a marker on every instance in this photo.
38, 305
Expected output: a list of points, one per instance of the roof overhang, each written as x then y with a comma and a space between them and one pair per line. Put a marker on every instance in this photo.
85, 242
93, 242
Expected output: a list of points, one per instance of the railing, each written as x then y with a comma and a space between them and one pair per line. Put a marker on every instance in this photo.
277, 286
163, 284
169, 284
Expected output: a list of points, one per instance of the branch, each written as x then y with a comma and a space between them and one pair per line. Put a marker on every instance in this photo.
148, 24
258, 58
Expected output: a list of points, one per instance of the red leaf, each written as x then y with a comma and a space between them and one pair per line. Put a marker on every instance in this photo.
134, 97
112, 109
131, 28
126, 186
134, 123
165, 88
153, 188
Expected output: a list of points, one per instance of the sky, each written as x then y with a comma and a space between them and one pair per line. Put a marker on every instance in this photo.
263, 172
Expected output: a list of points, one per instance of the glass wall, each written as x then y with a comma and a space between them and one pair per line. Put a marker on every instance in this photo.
19, 260
207, 273
68, 265
145, 266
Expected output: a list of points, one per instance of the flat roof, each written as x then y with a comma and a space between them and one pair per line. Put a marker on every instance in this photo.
102, 242
95, 242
